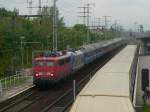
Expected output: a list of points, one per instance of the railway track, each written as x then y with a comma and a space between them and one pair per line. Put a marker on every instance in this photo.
59, 97
16, 100
64, 102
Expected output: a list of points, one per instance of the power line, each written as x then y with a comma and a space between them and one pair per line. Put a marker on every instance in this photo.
55, 38
84, 12
116, 24
30, 7
40, 3
86, 18
39, 7
106, 21
99, 22
88, 21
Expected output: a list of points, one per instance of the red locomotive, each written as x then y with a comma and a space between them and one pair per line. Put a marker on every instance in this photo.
51, 68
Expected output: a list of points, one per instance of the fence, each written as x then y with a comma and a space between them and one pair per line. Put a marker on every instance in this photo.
19, 78
1, 89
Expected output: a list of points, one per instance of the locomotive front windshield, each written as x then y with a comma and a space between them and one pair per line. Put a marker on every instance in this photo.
39, 63
49, 63
44, 63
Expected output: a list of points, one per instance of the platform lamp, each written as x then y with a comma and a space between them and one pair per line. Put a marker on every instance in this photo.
22, 38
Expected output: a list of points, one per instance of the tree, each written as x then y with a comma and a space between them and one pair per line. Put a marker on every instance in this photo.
40, 30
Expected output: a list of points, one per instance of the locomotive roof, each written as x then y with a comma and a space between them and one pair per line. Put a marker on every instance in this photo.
52, 57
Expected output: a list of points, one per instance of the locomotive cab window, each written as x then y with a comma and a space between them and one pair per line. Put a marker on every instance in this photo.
50, 63
39, 63
145, 79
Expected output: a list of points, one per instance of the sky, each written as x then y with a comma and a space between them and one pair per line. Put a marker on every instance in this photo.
126, 11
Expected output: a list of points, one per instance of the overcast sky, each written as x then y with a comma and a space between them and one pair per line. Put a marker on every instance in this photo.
127, 11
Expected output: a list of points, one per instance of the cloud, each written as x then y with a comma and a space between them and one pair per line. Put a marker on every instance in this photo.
127, 11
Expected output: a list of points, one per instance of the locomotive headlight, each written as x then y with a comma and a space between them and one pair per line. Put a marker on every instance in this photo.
36, 74
52, 75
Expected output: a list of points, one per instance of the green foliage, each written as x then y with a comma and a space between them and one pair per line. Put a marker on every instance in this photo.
146, 108
4, 12
39, 30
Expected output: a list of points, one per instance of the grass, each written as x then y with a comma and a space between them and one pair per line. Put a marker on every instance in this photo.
146, 108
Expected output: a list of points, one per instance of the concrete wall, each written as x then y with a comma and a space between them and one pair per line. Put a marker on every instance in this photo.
143, 63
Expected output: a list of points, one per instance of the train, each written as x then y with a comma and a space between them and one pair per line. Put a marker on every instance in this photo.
52, 67
111, 89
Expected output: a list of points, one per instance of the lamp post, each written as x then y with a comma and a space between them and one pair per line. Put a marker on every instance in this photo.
135, 28
55, 36
27, 55
22, 37
48, 37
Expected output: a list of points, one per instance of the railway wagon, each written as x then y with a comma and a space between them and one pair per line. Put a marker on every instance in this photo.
78, 60
89, 53
51, 68
98, 48
109, 89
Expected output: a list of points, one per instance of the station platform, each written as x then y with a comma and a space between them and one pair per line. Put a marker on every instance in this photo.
111, 89
13, 91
